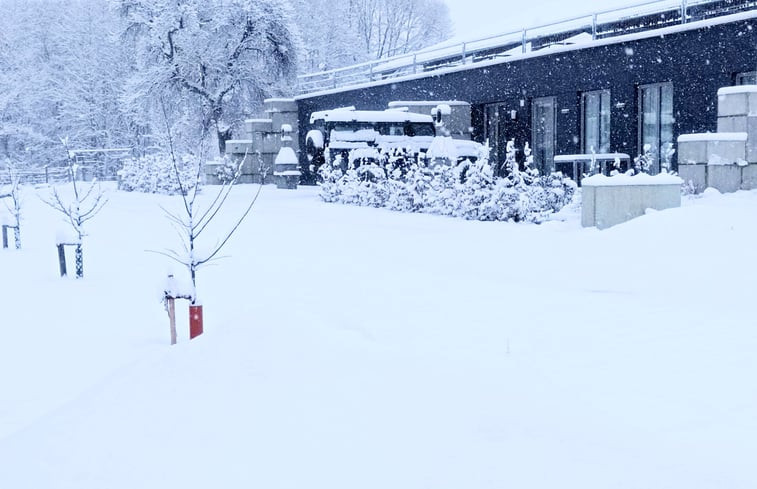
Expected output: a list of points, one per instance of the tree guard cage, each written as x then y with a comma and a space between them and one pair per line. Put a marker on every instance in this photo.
16, 235
78, 259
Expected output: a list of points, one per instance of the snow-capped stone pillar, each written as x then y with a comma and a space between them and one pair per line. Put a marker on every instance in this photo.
286, 165
725, 160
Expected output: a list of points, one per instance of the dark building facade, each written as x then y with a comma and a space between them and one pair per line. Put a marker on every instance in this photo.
613, 95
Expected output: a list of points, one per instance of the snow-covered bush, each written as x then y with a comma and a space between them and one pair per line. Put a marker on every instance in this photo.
645, 161
469, 190
227, 169
155, 174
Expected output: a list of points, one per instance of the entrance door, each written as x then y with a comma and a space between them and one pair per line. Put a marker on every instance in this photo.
543, 133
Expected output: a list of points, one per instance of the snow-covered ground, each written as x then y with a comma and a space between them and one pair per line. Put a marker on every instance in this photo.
350, 347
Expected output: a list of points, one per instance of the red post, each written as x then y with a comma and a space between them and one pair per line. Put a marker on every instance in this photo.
195, 321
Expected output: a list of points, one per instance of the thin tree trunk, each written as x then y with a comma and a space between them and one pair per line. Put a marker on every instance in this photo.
223, 136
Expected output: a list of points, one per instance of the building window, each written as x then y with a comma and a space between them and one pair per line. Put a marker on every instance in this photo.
494, 124
747, 78
595, 121
543, 130
656, 124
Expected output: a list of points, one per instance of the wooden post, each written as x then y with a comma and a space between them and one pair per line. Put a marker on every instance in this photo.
169, 295
5, 235
171, 306
62, 259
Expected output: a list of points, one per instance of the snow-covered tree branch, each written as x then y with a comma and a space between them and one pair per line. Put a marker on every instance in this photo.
84, 204
216, 58
193, 218
11, 195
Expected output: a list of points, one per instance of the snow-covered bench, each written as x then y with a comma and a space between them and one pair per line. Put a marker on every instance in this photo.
577, 165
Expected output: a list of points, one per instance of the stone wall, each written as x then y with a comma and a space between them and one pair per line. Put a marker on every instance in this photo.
260, 142
727, 159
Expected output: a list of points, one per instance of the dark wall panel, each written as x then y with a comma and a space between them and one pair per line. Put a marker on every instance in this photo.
697, 62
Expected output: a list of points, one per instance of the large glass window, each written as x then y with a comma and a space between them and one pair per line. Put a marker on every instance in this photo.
494, 123
656, 124
543, 132
595, 122
748, 78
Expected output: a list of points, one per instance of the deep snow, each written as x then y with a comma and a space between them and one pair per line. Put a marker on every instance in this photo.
354, 347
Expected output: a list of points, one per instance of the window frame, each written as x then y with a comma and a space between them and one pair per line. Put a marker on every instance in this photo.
584, 95
739, 78
659, 121
545, 167
495, 117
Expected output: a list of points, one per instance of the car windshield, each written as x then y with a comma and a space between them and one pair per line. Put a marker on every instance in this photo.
420, 129
385, 128
351, 126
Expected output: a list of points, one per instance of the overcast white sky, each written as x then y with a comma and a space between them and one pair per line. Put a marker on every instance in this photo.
476, 18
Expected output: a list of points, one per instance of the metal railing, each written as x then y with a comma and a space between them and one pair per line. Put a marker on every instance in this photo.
651, 14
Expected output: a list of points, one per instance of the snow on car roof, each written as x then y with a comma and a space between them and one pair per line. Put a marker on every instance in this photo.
368, 116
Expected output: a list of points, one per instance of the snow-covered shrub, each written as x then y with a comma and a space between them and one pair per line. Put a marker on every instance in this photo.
227, 169
645, 161
666, 162
330, 188
476, 179
156, 174
469, 189
372, 187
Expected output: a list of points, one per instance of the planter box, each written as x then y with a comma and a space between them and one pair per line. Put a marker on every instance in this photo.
608, 201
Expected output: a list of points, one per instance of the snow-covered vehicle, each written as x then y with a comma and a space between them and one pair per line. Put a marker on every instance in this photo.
364, 135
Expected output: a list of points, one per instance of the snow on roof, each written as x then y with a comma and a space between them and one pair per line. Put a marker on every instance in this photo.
738, 89
472, 47
368, 116
713, 136
411, 103
516, 54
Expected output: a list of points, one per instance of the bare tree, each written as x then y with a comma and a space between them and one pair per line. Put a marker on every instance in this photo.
14, 207
85, 204
393, 27
193, 219
342, 32
216, 58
